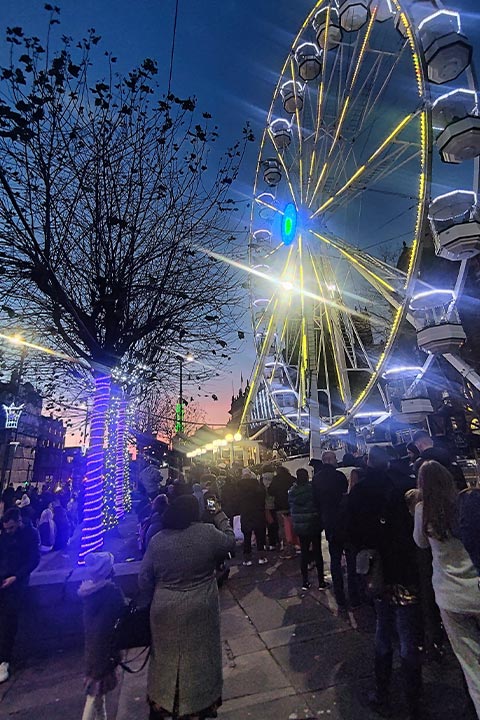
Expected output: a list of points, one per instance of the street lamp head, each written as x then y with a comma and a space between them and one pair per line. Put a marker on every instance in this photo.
229, 437
237, 437
189, 357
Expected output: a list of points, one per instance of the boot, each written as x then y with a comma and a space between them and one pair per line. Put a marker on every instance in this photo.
379, 699
412, 687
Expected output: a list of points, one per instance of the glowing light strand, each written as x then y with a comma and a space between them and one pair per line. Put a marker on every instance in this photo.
93, 528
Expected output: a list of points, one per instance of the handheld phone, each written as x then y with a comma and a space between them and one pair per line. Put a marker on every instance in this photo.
211, 505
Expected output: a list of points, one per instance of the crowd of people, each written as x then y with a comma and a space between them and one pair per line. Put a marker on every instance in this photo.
54, 510
402, 531
391, 520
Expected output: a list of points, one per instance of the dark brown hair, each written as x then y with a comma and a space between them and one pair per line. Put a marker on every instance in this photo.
439, 496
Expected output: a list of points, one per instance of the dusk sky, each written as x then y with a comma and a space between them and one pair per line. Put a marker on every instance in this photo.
228, 54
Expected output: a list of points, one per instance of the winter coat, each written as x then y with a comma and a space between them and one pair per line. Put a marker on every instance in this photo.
329, 486
177, 574
62, 533
230, 498
469, 523
46, 530
251, 504
19, 554
305, 516
155, 525
443, 456
279, 487
379, 518
101, 608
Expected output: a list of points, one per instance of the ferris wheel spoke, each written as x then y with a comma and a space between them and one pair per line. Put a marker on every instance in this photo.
389, 277
345, 106
390, 164
288, 176
369, 163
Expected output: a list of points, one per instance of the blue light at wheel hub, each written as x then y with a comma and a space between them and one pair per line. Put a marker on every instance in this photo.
289, 224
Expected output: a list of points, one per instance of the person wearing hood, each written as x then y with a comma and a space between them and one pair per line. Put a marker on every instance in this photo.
429, 451
308, 526
46, 530
177, 576
103, 603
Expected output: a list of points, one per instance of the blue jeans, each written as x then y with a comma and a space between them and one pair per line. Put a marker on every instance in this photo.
398, 621
402, 621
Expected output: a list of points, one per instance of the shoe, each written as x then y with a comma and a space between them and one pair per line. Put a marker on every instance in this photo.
306, 585
380, 704
271, 548
262, 561
311, 565
323, 585
247, 563
4, 674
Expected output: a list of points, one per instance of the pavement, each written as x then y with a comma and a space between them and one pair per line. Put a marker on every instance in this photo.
288, 655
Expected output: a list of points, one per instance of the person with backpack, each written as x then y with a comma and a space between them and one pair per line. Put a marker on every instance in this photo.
308, 526
455, 578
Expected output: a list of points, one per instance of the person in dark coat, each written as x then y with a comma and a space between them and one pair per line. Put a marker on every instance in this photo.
278, 489
229, 498
159, 505
329, 487
62, 525
8, 497
19, 556
307, 525
379, 519
103, 603
252, 516
429, 451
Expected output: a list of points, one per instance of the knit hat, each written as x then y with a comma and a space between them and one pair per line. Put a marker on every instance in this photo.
99, 565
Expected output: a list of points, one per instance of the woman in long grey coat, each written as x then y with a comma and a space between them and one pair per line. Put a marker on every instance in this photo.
178, 576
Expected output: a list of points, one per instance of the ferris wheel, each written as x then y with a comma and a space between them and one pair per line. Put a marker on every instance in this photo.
359, 233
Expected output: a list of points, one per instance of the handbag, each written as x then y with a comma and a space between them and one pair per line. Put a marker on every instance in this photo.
369, 566
132, 628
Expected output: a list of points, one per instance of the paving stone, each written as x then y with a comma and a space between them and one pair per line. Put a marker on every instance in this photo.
293, 707
300, 633
236, 623
253, 673
245, 644
325, 661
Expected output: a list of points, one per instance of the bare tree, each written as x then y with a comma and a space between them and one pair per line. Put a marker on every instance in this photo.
110, 193
157, 414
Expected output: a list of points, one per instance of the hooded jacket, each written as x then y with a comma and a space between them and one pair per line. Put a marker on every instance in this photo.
305, 517
443, 456
102, 606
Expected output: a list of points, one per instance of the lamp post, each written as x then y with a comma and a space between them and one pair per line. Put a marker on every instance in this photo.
180, 408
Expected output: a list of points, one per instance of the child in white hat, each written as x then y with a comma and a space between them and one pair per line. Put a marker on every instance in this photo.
103, 602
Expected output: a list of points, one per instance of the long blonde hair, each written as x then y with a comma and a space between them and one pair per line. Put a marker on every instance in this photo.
439, 496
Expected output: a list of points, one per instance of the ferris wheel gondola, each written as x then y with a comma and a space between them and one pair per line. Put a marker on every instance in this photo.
344, 197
